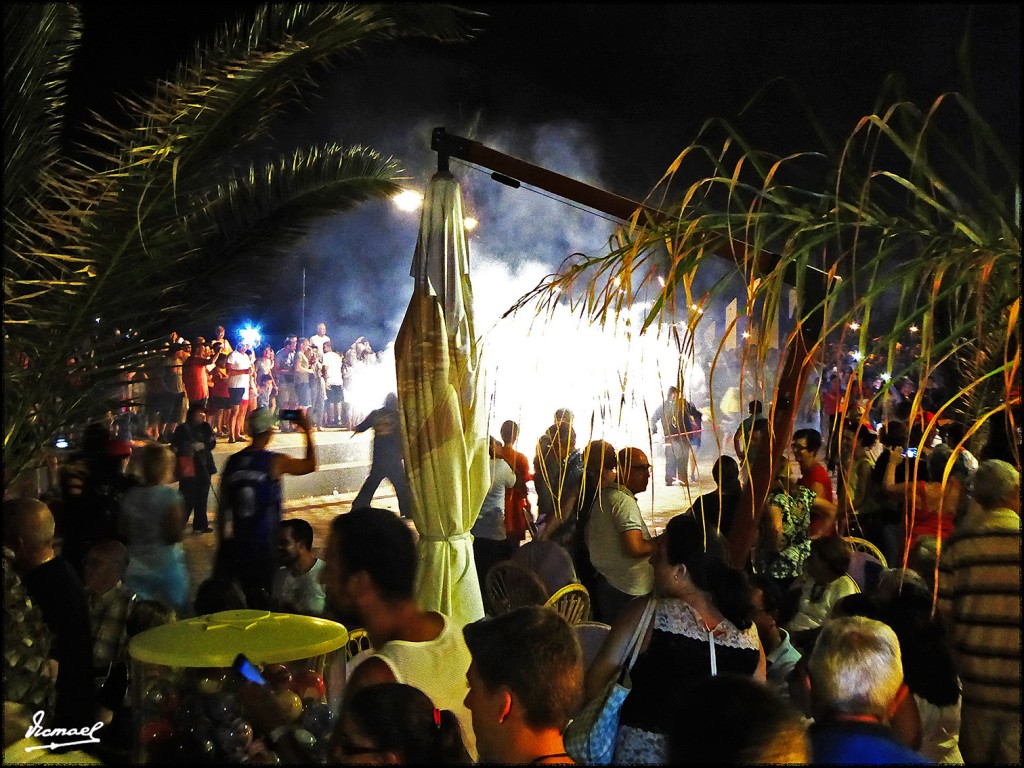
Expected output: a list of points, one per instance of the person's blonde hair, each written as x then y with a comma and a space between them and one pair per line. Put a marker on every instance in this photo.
155, 462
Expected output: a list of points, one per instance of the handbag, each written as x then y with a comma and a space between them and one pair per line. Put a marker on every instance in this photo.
184, 468
590, 736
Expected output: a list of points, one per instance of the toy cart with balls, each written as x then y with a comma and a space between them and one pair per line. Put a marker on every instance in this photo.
187, 698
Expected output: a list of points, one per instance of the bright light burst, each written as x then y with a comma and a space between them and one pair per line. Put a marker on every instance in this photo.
250, 334
854, 326
914, 329
408, 200
856, 355
538, 363
885, 376
470, 223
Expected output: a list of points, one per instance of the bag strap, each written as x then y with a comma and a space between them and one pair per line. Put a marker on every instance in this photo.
638, 636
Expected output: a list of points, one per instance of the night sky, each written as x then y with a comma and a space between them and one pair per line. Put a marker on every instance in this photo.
607, 93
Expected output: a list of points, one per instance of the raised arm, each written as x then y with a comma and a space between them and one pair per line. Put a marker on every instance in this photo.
287, 465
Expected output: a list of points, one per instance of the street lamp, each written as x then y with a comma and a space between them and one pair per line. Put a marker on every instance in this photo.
408, 200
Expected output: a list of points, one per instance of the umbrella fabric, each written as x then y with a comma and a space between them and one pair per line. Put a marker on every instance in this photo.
442, 405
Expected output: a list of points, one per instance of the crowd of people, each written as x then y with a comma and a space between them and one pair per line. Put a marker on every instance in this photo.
232, 380
805, 662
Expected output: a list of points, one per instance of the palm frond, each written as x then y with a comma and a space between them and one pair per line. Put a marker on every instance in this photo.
111, 242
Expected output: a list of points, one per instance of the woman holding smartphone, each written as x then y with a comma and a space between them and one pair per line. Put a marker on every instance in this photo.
928, 504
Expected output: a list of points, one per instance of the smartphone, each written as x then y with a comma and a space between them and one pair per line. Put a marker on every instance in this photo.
248, 670
289, 414
910, 453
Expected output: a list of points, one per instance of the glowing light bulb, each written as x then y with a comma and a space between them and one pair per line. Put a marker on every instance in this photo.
885, 376
408, 200
746, 334
693, 307
856, 355
914, 329
854, 326
469, 222
250, 334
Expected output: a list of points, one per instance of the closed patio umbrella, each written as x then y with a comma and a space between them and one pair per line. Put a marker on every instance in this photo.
442, 404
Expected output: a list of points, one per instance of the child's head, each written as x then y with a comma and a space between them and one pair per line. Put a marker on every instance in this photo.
146, 614
829, 559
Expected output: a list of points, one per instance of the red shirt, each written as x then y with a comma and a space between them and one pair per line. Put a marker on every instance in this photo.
830, 396
516, 499
193, 375
220, 383
818, 474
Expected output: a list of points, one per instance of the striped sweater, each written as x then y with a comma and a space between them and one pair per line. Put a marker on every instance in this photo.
979, 592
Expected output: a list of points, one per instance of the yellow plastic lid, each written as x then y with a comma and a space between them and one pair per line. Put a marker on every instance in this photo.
216, 639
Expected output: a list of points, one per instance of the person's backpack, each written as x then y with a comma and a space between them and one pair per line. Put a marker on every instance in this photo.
692, 419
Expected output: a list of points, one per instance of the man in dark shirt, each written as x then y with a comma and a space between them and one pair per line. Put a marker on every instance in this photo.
250, 505
387, 456
56, 590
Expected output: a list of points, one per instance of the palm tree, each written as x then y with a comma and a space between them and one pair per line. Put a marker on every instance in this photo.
94, 247
905, 237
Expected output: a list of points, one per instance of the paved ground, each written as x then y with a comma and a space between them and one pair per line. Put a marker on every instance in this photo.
658, 503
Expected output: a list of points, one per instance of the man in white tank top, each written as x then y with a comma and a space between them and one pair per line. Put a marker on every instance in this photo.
370, 574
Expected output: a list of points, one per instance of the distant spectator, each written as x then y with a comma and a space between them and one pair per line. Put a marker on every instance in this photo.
218, 593
193, 442
785, 540
153, 526
718, 507
557, 473
387, 461
780, 654
517, 499
929, 504
742, 435
618, 540
490, 539
109, 604
681, 424
297, 587
250, 505
814, 476
823, 584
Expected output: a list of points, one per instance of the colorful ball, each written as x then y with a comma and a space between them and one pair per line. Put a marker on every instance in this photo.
278, 675
160, 695
156, 731
210, 681
290, 704
309, 684
223, 707
319, 719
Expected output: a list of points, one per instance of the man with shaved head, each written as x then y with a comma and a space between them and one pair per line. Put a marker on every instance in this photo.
617, 537
56, 590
